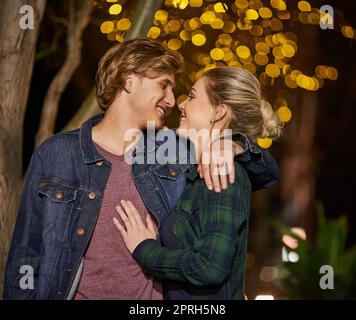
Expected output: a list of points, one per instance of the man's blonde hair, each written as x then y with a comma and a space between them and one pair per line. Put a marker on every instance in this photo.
240, 90
144, 57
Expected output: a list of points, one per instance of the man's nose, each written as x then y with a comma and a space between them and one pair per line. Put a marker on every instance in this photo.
181, 106
170, 99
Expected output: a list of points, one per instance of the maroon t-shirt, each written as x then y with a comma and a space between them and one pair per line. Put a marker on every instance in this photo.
109, 271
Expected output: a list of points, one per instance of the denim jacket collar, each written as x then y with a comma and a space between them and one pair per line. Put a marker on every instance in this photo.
87, 147
89, 152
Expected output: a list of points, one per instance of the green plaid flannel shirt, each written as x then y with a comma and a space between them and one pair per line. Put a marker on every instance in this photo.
210, 235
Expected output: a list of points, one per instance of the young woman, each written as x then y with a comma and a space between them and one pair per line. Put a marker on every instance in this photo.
204, 242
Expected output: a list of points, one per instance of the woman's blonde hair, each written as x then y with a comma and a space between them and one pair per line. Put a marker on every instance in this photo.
240, 90
144, 57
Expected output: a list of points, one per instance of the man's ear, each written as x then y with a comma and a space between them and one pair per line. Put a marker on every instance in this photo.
129, 82
222, 111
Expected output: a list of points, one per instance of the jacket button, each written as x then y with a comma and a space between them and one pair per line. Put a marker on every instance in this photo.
80, 231
99, 163
173, 173
59, 195
92, 195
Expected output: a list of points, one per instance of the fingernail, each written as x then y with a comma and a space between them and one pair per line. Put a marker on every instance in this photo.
224, 186
210, 187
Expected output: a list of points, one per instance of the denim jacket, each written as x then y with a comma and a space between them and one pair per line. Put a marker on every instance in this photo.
61, 200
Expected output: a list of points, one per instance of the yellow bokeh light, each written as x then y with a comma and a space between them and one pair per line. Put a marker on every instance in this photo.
261, 58
168, 3
220, 7
225, 39
244, 24
185, 35
287, 50
286, 69
234, 63
256, 31
279, 4
181, 99
243, 52
272, 70
321, 71
290, 83
115, 9
265, 79
277, 52
348, 32
251, 14
305, 82
161, 15
217, 23
174, 25
294, 74
119, 37
198, 39
264, 143
107, 27
304, 6
217, 54
207, 17
183, 4
154, 32
124, 24
284, 15
196, 3
262, 47
194, 23
229, 27
276, 25
241, 4
174, 44
265, 12
228, 54
331, 73
284, 113
250, 67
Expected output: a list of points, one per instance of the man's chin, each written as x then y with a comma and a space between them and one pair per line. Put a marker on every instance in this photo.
156, 123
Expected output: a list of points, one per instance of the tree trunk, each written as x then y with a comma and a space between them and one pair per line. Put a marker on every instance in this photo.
142, 20
17, 52
298, 165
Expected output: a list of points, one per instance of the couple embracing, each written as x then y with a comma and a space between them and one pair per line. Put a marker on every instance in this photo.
92, 225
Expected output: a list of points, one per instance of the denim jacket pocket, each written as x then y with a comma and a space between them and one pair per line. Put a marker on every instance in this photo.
172, 171
57, 192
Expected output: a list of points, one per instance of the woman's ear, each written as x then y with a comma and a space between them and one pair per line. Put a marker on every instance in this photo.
221, 111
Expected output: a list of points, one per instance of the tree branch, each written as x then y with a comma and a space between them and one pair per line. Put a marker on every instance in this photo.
76, 26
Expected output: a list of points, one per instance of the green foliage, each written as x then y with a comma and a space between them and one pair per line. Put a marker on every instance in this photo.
301, 280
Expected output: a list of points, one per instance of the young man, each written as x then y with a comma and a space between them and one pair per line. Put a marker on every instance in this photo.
64, 232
